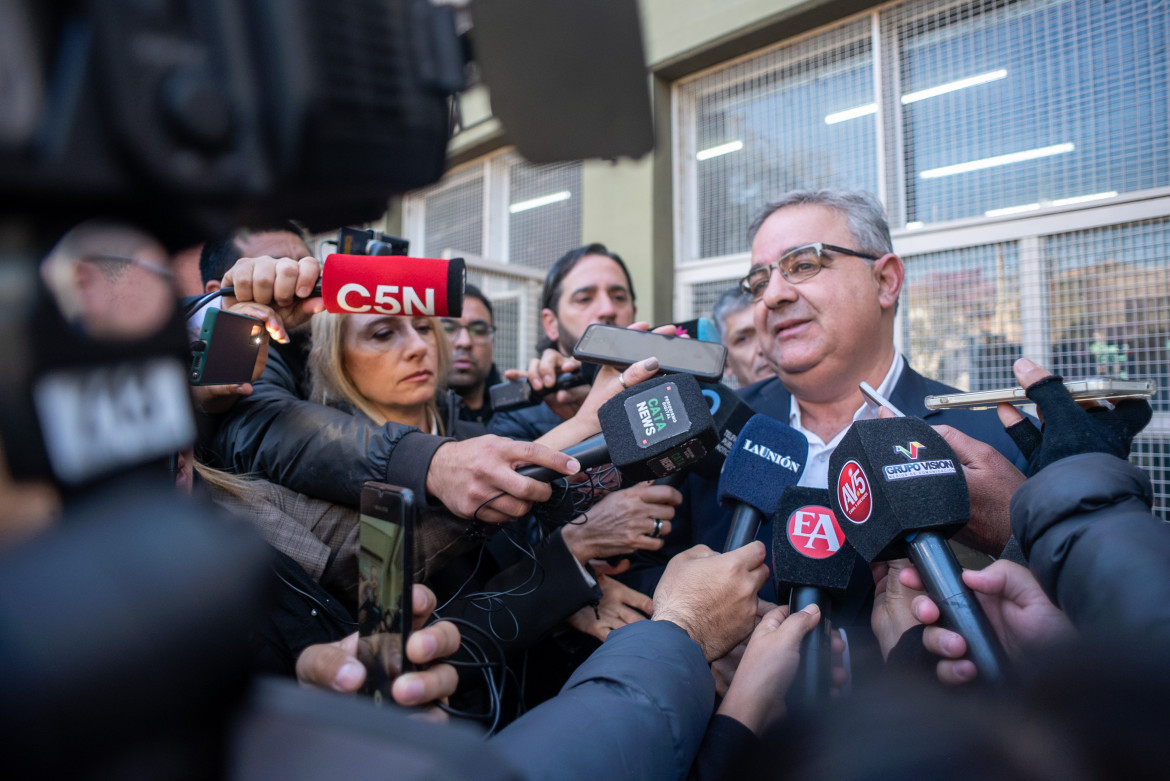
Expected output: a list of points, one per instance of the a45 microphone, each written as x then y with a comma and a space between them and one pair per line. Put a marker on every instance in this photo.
768, 457
898, 489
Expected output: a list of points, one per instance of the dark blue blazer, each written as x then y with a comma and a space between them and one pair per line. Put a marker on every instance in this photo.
701, 520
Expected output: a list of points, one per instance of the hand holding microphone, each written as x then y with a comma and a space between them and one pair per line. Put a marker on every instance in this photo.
1016, 605
357, 284
897, 487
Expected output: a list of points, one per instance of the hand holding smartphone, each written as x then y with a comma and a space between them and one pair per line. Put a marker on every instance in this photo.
228, 347
385, 581
1093, 389
611, 345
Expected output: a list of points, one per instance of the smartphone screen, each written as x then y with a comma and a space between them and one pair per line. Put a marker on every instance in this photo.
612, 345
385, 575
227, 350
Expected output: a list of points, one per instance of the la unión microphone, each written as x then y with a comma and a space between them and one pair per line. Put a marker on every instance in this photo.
654, 429
811, 556
393, 285
897, 488
768, 457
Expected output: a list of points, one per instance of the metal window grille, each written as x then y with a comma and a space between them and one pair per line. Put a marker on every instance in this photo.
1022, 149
510, 220
960, 315
454, 213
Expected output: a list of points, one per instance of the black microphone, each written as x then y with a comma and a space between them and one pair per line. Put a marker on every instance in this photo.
898, 489
768, 457
655, 429
729, 413
517, 394
590, 453
811, 556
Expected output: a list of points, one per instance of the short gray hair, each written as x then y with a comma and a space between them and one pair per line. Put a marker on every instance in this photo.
732, 301
863, 211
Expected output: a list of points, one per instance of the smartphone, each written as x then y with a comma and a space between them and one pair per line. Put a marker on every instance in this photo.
612, 345
385, 580
227, 349
1081, 390
517, 394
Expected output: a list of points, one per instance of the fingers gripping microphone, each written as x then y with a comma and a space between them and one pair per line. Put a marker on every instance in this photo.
658, 428
394, 285
811, 556
768, 457
897, 487
729, 413
655, 429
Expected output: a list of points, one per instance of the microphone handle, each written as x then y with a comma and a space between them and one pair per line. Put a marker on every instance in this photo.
960, 609
813, 678
592, 452
675, 480
745, 522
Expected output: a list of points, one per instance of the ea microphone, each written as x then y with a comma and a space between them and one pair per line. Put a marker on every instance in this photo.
768, 457
393, 285
897, 488
810, 556
655, 429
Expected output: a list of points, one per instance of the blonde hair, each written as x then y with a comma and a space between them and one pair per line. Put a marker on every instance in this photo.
331, 383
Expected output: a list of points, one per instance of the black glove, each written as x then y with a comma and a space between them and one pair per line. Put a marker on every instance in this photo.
1070, 430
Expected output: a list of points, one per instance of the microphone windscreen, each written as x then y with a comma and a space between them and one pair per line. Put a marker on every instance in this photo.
768, 457
701, 328
891, 477
658, 427
394, 285
808, 545
730, 414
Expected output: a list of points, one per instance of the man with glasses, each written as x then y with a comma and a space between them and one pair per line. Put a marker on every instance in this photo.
473, 370
825, 282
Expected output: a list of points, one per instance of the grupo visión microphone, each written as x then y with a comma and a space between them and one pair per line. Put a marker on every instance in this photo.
898, 489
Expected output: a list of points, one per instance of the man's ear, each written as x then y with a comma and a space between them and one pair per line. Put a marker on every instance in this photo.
548, 321
889, 273
212, 286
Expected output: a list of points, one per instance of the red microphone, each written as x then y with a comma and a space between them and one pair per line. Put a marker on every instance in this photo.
394, 285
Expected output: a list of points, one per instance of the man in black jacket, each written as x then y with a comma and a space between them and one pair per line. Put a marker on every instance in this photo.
826, 282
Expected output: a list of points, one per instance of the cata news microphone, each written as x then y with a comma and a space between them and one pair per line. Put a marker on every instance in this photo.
655, 429
768, 457
810, 556
898, 489
730, 414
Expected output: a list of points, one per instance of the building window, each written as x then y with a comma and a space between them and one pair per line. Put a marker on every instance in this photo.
1022, 150
510, 220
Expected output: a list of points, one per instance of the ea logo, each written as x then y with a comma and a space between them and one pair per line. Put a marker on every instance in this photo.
813, 532
853, 493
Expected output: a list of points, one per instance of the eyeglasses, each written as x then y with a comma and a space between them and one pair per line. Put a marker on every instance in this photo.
479, 330
162, 271
797, 265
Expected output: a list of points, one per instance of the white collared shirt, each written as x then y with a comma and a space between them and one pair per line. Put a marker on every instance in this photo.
816, 471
